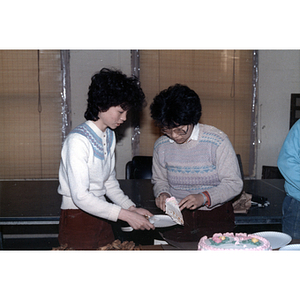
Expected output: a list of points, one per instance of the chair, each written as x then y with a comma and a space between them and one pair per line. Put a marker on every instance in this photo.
238, 156
140, 167
271, 172
295, 109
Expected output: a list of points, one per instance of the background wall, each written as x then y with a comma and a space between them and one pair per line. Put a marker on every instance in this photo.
279, 77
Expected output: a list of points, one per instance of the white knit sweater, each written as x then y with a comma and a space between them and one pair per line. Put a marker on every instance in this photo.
206, 162
87, 173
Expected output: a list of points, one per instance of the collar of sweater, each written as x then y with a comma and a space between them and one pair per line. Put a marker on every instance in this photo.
194, 135
96, 129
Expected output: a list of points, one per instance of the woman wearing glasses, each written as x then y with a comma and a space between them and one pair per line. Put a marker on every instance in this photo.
195, 163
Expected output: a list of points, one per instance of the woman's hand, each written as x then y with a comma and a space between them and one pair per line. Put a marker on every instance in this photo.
192, 201
136, 220
160, 201
141, 211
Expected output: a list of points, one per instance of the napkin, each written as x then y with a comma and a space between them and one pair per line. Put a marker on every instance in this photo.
173, 210
242, 204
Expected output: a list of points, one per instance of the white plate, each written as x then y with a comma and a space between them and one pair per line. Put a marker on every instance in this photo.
276, 239
127, 229
162, 221
290, 247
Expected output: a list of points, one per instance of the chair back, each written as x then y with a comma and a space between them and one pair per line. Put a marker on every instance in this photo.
140, 167
238, 156
271, 172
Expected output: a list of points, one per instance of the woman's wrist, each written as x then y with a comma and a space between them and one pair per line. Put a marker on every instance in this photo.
164, 194
132, 208
206, 199
122, 215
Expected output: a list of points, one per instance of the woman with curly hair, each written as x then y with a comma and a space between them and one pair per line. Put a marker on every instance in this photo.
87, 168
195, 163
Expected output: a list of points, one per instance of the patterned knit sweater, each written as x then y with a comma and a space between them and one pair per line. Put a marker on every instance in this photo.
206, 162
87, 173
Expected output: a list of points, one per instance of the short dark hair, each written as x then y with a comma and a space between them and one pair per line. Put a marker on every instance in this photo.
175, 106
112, 88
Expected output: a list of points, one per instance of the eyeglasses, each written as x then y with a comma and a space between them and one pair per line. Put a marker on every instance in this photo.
177, 131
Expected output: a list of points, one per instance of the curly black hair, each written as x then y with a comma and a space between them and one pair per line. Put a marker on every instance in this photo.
112, 88
175, 106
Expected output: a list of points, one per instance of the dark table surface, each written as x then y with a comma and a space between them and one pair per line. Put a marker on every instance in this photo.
38, 203
26, 201
273, 190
